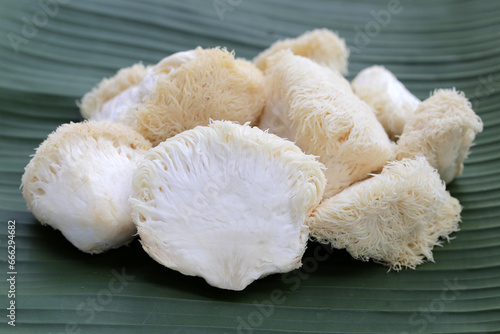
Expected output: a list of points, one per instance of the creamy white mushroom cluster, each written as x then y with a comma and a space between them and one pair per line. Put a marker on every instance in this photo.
225, 167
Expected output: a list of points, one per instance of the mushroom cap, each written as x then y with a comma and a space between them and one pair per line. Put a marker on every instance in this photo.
315, 107
395, 217
320, 45
79, 182
182, 91
226, 202
214, 85
442, 129
392, 102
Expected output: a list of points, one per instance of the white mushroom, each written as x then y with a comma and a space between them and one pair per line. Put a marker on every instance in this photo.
392, 102
320, 45
181, 92
79, 182
442, 129
395, 218
226, 202
315, 107
109, 91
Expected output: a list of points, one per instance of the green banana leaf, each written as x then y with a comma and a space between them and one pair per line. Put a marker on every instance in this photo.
53, 51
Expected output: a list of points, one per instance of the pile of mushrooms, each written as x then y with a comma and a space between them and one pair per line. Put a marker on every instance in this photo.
226, 167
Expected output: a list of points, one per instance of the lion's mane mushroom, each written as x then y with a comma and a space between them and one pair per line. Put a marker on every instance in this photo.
226, 202
181, 92
442, 129
394, 105
315, 107
79, 182
320, 45
395, 217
